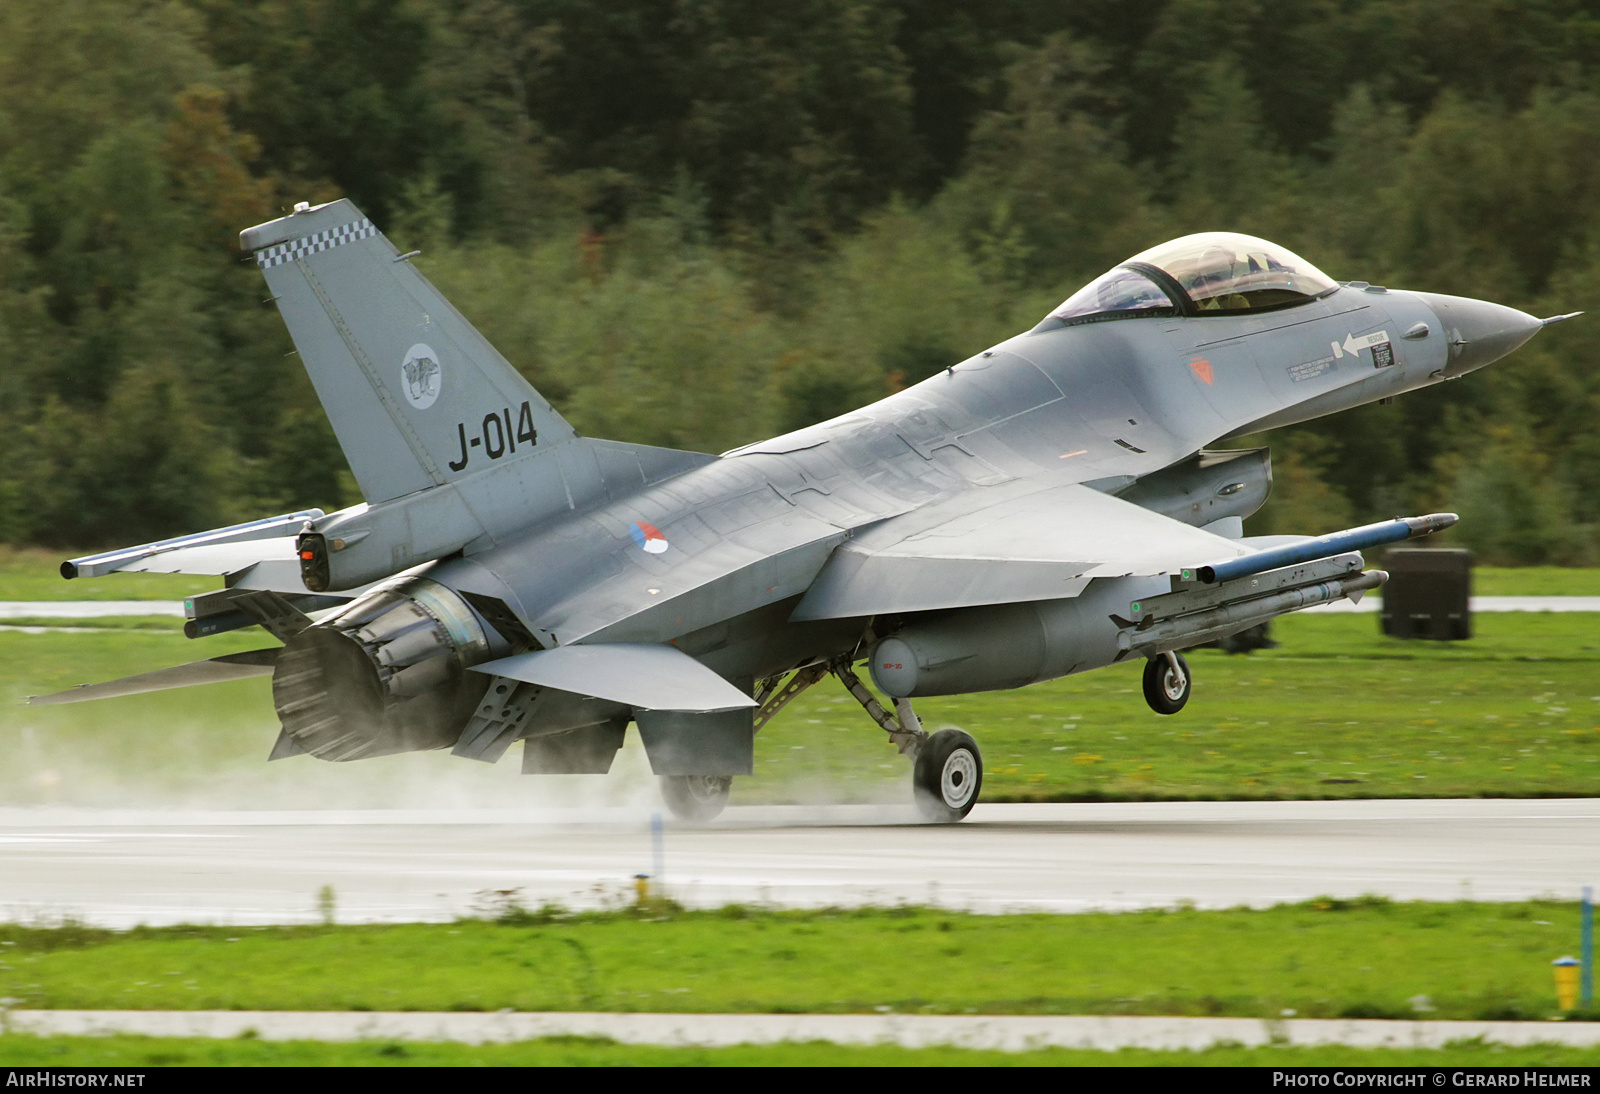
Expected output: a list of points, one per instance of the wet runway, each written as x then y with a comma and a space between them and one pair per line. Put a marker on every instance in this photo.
122, 868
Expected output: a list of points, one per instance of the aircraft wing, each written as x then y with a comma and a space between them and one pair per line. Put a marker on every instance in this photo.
1039, 545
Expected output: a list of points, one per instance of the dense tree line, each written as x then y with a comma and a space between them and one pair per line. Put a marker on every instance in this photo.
695, 222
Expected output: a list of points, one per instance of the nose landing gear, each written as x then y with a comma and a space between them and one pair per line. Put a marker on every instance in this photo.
1167, 682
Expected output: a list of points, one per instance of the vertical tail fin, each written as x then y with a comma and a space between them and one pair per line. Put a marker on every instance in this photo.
416, 395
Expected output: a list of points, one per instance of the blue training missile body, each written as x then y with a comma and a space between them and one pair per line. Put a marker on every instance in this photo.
1334, 543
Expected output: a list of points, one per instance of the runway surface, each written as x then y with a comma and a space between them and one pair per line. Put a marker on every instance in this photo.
119, 869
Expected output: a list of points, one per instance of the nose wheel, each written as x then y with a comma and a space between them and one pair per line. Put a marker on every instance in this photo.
1167, 682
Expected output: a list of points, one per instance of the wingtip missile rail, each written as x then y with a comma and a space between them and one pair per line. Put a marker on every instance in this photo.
1234, 615
129, 558
1334, 543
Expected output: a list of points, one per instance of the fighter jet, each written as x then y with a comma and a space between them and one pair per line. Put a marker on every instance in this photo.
1048, 506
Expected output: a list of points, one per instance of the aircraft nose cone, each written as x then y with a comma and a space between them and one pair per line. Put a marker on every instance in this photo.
1477, 331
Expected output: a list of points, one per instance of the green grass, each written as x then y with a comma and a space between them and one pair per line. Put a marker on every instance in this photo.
1337, 712
32, 573
1364, 958
1535, 581
20, 1050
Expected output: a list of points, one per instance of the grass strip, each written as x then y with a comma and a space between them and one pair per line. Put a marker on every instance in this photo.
34, 573
1337, 711
21, 1050
1326, 958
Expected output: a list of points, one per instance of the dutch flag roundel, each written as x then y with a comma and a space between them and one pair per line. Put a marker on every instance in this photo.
649, 537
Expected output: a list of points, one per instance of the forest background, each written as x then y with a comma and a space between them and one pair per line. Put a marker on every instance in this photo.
696, 223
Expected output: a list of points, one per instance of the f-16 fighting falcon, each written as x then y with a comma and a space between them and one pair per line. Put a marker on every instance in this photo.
1045, 507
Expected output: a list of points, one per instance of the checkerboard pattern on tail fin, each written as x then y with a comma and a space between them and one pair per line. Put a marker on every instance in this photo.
416, 395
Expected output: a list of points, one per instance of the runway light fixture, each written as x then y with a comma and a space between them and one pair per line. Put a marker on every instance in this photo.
1566, 969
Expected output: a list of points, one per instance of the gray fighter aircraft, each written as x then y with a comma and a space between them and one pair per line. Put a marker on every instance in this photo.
1046, 507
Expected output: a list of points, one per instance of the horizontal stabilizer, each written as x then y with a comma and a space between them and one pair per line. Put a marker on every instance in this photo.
644, 676
219, 551
216, 558
232, 666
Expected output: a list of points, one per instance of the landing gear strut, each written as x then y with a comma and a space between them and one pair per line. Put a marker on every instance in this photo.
948, 769
1167, 682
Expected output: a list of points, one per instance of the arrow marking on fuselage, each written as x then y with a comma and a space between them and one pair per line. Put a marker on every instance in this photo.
1353, 345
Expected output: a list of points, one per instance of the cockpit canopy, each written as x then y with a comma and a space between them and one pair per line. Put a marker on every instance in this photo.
1211, 273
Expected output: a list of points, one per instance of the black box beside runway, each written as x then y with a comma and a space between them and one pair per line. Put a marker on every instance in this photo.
1428, 594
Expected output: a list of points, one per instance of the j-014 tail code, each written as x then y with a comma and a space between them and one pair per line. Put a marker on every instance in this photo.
495, 435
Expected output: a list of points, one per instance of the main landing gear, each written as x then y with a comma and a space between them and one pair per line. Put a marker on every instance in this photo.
947, 776
947, 768
700, 798
1167, 682
696, 797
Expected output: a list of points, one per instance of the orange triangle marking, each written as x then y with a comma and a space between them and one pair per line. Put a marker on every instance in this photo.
1201, 368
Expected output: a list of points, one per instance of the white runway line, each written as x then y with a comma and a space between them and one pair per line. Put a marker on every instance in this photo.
87, 609
1010, 1033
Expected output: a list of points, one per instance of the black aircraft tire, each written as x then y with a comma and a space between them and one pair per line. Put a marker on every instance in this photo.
696, 797
1164, 690
947, 776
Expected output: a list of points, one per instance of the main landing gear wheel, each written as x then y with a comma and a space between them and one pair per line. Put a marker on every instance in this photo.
695, 797
947, 776
1167, 683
